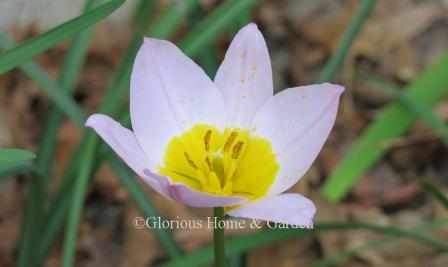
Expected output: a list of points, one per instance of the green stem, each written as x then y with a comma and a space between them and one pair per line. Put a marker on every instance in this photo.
218, 238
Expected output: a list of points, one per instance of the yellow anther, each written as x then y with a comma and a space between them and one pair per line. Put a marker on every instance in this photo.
207, 140
224, 162
229, 141
190, 161
234, 174
209, 163
237, 149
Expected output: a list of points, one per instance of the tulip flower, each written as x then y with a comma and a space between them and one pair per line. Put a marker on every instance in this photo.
225, 143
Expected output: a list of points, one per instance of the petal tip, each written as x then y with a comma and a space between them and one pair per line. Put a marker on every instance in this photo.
252, 25
152, 42
149, 42
338, 88
93, 120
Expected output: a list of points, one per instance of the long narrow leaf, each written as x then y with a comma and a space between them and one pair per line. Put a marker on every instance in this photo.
267, 237
339, 257
396, 119
213, 25
28, 49
54, 90
420, 109
72, 66
434, 191
169, 20
114, 93
16, 168
335, 61
143, 202
74, 214
12, 155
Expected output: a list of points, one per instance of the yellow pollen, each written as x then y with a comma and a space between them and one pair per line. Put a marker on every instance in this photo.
207, 140
209, 163
237, 149
229, 162
191, 162
229, 141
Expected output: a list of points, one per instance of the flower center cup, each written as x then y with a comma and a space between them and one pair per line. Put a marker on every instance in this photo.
229, 162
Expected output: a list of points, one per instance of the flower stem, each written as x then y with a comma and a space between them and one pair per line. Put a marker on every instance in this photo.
218, 238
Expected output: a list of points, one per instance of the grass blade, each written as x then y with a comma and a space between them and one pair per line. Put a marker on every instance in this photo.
141, 12
16, 168
248, 242
143, 202
115, 93
207, 56
74, 213
54, 90
429, 87
333, 64
26, 50
12, 155
72, 65
434, 191
420, 109
376, 243
215, 23
168, 22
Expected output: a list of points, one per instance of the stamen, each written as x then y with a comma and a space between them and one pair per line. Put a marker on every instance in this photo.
237, 149
207, 140
234, 174
209, 163
229, 141
190, 161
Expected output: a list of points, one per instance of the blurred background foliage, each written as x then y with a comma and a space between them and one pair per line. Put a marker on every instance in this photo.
380, 183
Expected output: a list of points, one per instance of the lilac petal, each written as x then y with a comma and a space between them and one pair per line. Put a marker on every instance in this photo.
184, 194
169, 94
293, 209
297, 122
124, 143
245, 76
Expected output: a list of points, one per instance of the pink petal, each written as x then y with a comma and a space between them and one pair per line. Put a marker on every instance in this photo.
184, 194
289, 208
297, 121
169, 94
124, 143
245, 76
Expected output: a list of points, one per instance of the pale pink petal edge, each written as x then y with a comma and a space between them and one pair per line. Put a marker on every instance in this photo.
184, 194
288, 208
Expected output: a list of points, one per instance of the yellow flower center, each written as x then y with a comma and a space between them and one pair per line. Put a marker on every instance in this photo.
230, 163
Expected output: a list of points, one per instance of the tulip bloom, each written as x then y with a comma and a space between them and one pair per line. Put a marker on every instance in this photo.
225, 143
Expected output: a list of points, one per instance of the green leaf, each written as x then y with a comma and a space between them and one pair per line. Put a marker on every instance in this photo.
79, 190
31, 235
115, 93
15, 168
30, 48
12, 155
207, 56
144, 203
169, 20
248, 242
333, 64
419, 108
219, 20
434, 191
55, 91
339, 257
396, 119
